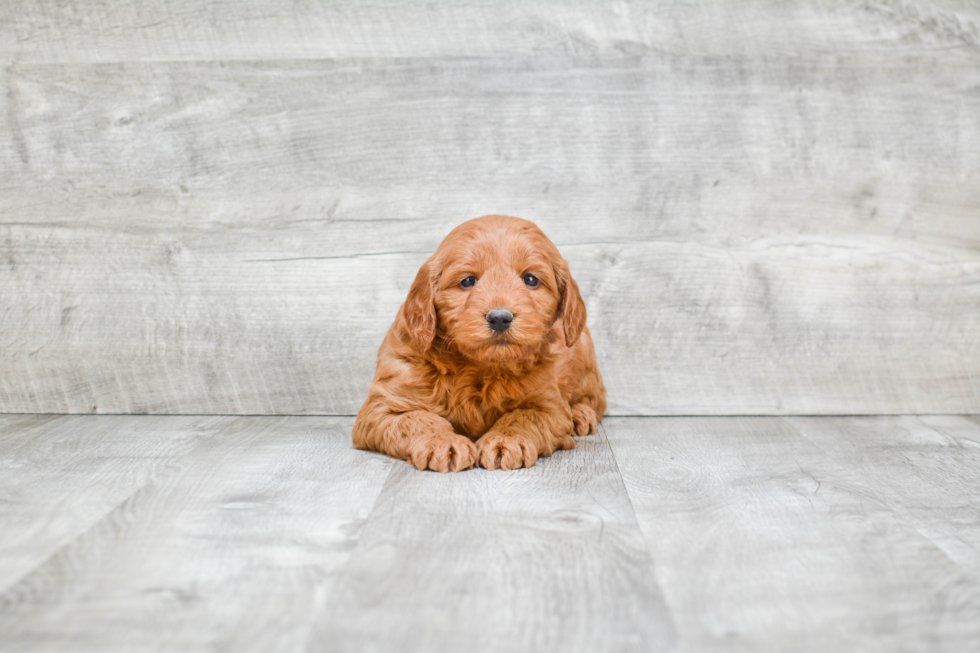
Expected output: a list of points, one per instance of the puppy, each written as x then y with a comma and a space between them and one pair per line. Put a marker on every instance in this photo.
489, 360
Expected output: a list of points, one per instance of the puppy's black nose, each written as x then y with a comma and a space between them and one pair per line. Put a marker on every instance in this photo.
499, 319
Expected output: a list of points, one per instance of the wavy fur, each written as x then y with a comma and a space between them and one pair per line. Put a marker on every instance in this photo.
449, 393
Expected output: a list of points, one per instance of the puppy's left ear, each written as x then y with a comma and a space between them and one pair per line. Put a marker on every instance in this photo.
571, 307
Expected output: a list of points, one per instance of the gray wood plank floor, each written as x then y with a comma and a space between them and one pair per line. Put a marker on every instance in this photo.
692, 534
809, 534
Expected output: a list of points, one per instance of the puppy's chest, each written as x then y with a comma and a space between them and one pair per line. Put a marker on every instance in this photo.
473, 402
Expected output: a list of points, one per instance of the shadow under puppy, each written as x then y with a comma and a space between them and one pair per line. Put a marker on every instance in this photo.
489, 360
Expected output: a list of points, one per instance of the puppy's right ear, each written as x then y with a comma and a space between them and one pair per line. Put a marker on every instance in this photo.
417, 317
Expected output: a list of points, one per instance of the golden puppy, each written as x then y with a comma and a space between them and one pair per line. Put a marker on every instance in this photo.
491, 348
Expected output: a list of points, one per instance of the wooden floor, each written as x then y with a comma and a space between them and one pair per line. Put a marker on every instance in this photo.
140, 533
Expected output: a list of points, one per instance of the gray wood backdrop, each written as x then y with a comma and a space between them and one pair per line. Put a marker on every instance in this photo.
771, 207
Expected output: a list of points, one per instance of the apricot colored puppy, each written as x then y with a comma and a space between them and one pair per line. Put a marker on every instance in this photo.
489, 360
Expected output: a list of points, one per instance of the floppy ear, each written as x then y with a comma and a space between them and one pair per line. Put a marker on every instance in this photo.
571, 308
417, 318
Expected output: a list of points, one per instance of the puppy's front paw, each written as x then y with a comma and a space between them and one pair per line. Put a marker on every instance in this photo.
584, 418
442, 452
506, 451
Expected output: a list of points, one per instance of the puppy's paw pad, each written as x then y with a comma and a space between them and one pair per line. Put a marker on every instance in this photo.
585, 419
443, 452
503, 451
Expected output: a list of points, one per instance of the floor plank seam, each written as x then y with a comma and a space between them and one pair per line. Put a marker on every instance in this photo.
898, 513
172, 467
323, 600
11, 587
651, 562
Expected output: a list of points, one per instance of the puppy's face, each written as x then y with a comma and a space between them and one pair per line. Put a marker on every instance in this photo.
497, 296
494, 288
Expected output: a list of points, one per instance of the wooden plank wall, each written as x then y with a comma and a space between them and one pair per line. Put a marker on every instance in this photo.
771, 207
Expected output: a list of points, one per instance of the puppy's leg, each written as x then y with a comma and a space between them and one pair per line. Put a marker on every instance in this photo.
581, 385
588, 402
585, 419
520, 436
424, 439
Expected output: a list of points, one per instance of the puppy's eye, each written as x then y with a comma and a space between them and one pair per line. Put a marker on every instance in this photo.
530, 280
468, 282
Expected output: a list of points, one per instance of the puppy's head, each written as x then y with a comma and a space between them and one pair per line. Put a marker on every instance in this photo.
495, 290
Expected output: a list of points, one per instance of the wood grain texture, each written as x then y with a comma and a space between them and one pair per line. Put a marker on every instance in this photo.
217, 208
764, 542
927, 468
162, 533
544, 559
59, 476
234, 548
91, 31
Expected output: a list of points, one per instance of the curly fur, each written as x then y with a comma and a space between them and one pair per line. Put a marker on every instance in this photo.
450, 393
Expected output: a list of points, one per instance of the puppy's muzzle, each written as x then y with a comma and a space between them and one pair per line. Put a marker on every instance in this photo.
499, 319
